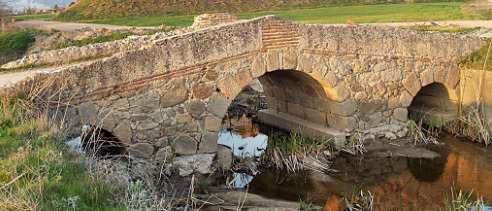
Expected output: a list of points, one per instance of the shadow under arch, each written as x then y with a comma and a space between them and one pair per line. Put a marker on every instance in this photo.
301, 101
435, 105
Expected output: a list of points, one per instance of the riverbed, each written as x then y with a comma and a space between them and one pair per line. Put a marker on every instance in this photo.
396, 182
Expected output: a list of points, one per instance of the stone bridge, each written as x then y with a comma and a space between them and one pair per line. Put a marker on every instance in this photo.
330, 81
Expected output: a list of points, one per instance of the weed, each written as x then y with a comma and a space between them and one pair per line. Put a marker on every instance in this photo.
306, 204
297, 152
459, 201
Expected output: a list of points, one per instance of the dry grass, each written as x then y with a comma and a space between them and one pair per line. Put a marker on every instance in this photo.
39, 172
297, 153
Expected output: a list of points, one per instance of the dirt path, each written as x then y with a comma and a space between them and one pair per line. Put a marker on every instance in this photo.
470, 23
66, 26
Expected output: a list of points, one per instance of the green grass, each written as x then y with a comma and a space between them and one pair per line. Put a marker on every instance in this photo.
41, 174
99, 39
30, 17
476, 60
408, 12
14, 44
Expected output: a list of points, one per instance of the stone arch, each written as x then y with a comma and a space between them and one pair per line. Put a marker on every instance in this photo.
297, 98
434, 104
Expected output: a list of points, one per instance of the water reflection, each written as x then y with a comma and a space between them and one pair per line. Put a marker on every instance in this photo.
242, 136
397, 183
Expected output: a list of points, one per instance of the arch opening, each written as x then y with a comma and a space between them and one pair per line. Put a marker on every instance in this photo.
100, 142
287, 100
434, 105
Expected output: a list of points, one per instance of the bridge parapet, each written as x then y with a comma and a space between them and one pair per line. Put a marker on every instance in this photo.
347, 79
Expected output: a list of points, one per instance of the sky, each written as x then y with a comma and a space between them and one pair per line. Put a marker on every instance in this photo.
20, 4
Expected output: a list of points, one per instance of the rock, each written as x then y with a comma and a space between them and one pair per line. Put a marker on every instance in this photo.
224, 155
196, 108
185, 145
176, 93
208, 143
88, 114
189, 164
192, 127
243, 77
405, 99
123, 132
141, 150
202, 90
146, 125
257, 67
343, 92
229, 87
412, 84
184, 118
289, 61
401, 114
213, 123
218, 105
162, 142
272, 61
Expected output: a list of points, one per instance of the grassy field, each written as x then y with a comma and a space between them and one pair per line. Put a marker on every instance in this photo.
360, 14
24, 17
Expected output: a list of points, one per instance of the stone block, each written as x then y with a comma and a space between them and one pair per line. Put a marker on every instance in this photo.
243, 77
439, 75
453, 77
192, 127
208, 143
374, 119
412, 83
315, 116
393, 103
146, 125
320, 68
272, 61
289, 60
341, 123
162, 142
229, 87
218, 104
213, 123
88, 113
141, 150
195, 108
175, 93
401, 114
371, 107
123, 132
185, 145
200, 164
426, 77
405, 99
345, 108
306, 63
343, 92
331, 78
296, 110
202, 90
224, 156
258, 66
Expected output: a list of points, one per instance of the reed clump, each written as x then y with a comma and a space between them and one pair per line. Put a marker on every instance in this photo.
297, 152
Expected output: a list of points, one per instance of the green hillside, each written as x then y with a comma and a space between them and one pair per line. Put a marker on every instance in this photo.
111, 9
